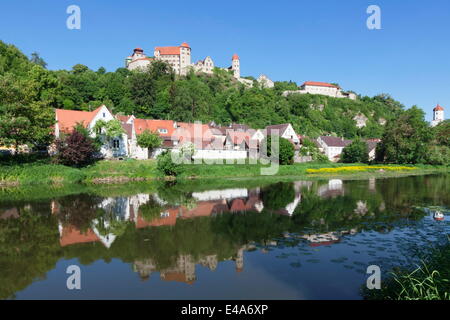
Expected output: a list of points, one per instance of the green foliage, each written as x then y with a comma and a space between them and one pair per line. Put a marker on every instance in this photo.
405, 139
36, 59
110, 129
277, 196
356, 152
285, 150
442, 134
430, 281
166, 166
309, 148
149, 139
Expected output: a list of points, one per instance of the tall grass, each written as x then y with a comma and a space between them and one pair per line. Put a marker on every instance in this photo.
429, 281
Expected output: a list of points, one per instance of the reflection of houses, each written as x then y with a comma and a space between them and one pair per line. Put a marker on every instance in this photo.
71, 235
333, 189
205, 204
184, 268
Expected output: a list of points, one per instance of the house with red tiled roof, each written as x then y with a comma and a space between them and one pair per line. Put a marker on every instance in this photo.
164, 128
67, 120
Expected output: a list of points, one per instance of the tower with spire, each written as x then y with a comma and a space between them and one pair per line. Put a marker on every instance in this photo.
438, 115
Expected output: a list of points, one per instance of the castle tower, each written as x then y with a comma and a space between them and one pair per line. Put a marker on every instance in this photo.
438, 115
185, 58
236, 66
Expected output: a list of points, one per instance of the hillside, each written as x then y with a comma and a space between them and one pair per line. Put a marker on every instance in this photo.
161, 95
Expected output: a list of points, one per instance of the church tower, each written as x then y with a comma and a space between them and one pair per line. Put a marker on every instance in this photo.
236, 66
438, 116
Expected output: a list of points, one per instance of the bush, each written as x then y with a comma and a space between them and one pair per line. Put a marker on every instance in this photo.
166, 166
286, 150
438, 155
356, 152
75, 150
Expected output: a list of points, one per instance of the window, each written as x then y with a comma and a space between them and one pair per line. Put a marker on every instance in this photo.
104, 115
116, 144
162, 130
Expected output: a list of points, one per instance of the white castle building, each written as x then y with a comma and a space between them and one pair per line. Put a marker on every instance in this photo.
438, 116
322, 88
180, 59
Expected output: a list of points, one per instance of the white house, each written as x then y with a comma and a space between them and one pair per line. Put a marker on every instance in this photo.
67, 120
285, 131
322, 88
332, 146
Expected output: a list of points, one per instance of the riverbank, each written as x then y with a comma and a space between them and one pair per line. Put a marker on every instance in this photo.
112, 172
430, 281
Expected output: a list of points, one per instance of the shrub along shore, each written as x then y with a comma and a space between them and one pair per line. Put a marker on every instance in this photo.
134, 170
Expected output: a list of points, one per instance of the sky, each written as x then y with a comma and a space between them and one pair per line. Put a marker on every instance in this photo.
298, 40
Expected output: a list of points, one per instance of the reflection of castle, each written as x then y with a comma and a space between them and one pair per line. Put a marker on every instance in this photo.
184, 268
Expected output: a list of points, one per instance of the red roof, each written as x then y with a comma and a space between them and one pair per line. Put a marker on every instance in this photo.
140, 125
168, 50
185, 45
68, 119
235, 57
190, 132
71, 235
438, 108
319, 84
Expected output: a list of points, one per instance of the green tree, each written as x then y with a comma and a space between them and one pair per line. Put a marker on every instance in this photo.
149, 140
405, 139
355, 152
285, 150
35, 58
166, 166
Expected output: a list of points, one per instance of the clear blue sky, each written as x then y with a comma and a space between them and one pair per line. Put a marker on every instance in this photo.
286, 39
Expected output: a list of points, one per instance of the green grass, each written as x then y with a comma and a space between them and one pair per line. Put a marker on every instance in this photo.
134, 170
430, 281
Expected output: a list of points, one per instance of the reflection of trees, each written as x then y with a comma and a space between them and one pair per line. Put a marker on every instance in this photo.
29, 244
251, 226
151, 209
78, 210
172, 193
278, 196
29, 248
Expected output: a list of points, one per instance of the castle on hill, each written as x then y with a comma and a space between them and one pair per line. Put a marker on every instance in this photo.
180, 59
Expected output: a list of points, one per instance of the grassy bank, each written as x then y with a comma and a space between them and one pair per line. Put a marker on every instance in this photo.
429, 281
133, 170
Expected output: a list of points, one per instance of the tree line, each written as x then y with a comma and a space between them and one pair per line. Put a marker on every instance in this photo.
29, 93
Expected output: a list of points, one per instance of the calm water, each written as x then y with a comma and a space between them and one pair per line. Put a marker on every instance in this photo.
232, 240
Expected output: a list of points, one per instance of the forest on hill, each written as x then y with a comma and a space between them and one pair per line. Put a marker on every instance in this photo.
27, 88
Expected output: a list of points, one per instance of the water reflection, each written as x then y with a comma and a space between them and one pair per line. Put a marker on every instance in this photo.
178, 229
